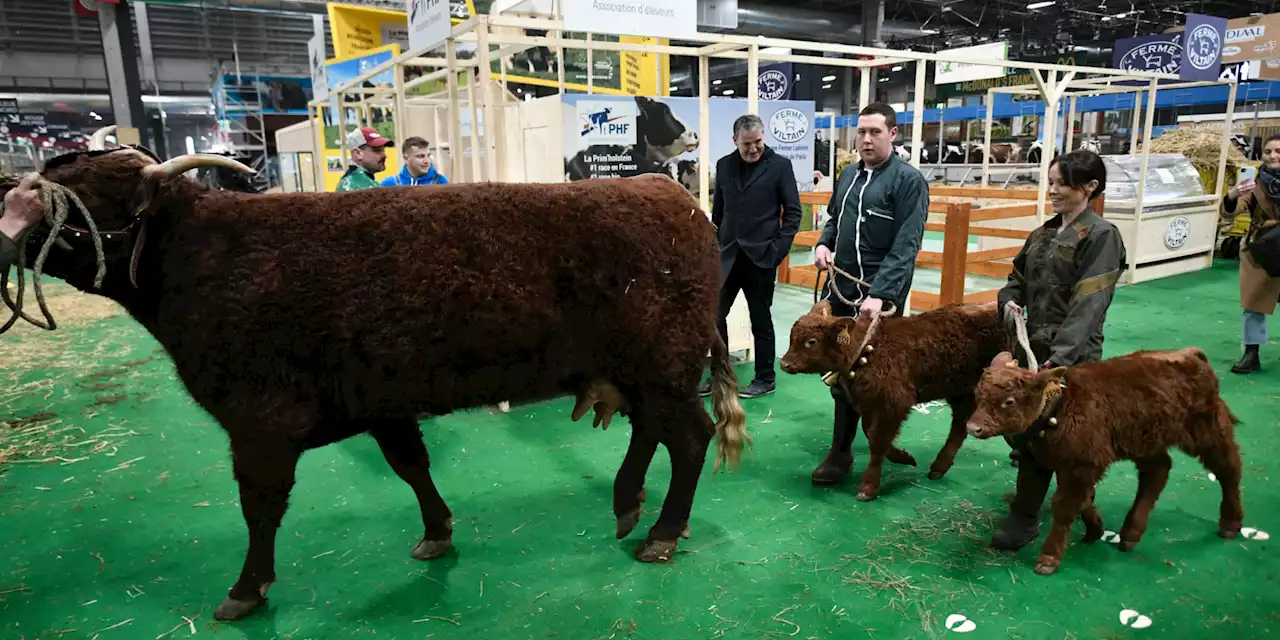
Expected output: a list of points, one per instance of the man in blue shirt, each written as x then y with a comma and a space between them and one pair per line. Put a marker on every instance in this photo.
418, 169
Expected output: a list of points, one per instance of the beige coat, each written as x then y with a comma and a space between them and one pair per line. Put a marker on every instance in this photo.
1258, 291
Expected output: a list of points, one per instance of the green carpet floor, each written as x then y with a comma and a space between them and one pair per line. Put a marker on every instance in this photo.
120, 518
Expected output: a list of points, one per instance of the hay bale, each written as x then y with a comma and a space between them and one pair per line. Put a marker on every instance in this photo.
1202, 145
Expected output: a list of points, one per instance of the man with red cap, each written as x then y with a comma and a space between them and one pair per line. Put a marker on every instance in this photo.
368, 157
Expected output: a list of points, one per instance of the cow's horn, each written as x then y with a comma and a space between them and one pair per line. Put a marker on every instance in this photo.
98, 141
184, 163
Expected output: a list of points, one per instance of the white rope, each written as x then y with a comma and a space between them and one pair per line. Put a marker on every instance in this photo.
1020, 329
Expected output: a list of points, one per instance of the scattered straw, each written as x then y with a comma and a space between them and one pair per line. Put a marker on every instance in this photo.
449, 620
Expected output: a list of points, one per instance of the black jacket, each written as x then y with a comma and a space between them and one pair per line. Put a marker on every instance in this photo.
875, 228
1066, 280
8, 253
746, 213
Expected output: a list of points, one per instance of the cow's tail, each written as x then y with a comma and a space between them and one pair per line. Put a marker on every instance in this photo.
731, 419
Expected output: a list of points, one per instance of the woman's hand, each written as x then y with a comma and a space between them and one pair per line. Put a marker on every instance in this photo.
1243, 188
1012, 307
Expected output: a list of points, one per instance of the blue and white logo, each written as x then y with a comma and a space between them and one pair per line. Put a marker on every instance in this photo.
611, 123
788, 125
1203, 46
1162, 56
773, 85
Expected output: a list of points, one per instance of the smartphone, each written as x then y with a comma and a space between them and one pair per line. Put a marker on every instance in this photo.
1247, 174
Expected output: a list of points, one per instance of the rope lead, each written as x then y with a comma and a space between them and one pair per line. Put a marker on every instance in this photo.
58, 201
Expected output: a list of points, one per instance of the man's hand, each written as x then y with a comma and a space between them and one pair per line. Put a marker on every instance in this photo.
870, 307
1012, 307
22, 208
822, 258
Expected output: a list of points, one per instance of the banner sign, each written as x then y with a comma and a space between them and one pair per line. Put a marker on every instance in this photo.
1160, 53
946, 72
776, 81
319, 77
1202, 47
429, 24
657, 18
621, 136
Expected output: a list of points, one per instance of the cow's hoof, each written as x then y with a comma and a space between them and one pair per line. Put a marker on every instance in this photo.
232, 609
1127, 545
1228, 532
833, 469
936, 475
866, 496
1046, 569
627, 523
1091, 537
643, 495
686, 533
657, 551
429, 549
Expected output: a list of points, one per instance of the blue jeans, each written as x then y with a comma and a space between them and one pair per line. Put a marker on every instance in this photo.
1255, 328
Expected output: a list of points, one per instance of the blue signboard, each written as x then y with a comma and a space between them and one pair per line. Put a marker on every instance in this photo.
1202, 47
1160, 53
776, 81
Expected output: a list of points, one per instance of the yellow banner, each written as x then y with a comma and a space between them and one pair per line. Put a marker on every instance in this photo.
645, 74
356, 29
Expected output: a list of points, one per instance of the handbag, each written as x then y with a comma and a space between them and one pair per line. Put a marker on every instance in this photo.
1265, 249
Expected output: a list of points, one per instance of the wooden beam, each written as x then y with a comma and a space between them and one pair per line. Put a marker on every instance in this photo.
979, 192
1004, 213
803, 276
955, 253
992, 254
817, 198
986, 232
808, 238
925, 301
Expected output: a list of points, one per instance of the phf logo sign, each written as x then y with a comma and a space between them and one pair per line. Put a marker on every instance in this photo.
601, 122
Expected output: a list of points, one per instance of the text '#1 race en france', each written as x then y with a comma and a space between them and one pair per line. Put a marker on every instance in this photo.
623, 136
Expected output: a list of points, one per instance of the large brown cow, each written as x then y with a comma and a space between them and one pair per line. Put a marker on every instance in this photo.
299, 320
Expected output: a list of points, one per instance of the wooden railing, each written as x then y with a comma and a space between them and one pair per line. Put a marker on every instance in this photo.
955, 260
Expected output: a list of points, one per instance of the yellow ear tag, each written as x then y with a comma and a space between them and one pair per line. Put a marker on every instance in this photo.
843, 338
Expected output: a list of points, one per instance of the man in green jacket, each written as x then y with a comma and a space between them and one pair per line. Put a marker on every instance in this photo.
22, 210
368, 157
876, 224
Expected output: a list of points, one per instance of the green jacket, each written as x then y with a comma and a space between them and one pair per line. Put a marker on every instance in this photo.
8, 253
879, 239
356, 178
1066, 281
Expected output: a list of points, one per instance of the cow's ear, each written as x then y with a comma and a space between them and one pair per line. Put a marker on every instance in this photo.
822, 309
1002, 360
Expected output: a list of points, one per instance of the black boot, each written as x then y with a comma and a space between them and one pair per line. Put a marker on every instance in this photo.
839, 460
1022, 526
1250, 362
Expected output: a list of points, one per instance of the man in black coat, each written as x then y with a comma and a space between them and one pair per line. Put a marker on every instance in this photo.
756, 211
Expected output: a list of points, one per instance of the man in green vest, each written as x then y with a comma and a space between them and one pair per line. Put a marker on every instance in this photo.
368, 157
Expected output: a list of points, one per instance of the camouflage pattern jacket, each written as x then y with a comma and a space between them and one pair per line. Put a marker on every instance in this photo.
1065, 279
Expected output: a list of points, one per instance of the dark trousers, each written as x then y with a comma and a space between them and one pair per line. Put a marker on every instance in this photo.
756, 284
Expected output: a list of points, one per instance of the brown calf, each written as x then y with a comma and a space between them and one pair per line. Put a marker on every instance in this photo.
932, 356
1135, 407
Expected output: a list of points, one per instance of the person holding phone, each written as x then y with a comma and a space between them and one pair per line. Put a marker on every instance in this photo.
1257, 192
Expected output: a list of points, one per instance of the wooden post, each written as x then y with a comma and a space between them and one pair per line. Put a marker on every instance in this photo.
1227, 127
917, 119
955, 252
986, 141
1133, 248
704, 125
1137, 119
455, 112
342, 130
319, 161
484, 86
753, 80
476, 171
1071, 128
400, 112
591, 86
864, 88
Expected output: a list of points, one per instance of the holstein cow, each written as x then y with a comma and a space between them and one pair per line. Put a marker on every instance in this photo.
938, 355
1079, 421
1035, 152
660, 138
298, 320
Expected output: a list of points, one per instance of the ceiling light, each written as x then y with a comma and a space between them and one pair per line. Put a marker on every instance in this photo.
715, 82
673, 88
884, 79
929, 32
826, 86
829, 78
728, 92
776, 51
897, 67
1040, 5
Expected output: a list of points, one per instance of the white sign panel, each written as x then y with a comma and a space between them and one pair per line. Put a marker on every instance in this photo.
657, 18
319, 77
429, 24
607, 122
950, 72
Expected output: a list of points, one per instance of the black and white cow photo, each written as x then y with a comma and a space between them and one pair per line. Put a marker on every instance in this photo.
660, 140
